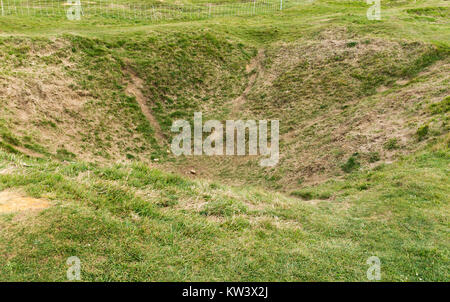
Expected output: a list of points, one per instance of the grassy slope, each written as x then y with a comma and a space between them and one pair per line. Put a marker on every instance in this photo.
77, 85
130, 222
362, 67
136, 223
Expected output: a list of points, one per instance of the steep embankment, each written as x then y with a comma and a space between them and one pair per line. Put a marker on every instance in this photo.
342, 103
110, 100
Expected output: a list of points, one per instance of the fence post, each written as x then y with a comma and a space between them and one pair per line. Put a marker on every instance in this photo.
281, 4
3, 12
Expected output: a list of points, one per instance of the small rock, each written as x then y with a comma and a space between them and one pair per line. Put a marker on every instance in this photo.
193, 172
135, 216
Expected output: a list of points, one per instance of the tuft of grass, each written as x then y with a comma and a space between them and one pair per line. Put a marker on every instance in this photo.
422, 132
63, 154
440, 107
391, 144
351, 164
436, 11
308, 194
9, 138
374, 157
7, 147
226, 208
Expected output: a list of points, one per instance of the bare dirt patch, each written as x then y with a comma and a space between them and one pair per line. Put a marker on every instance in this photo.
28, 152
6, 170
135, 88
11, 202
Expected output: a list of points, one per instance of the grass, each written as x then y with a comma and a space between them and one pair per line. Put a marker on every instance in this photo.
363, 109
114, 222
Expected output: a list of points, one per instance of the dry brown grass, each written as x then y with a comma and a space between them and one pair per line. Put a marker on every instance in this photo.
43, 101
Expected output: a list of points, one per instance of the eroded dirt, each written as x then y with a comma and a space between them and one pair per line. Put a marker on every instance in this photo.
11, 202
134, 88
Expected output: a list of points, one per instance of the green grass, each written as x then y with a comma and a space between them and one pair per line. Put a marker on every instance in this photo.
118, 221
363, 108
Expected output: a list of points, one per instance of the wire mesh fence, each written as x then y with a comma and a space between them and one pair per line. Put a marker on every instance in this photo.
138, 10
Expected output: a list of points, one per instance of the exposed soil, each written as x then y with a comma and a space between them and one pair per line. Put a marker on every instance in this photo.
11, 202
135, 88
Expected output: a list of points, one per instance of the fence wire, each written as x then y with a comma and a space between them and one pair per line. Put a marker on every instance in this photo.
138, 10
